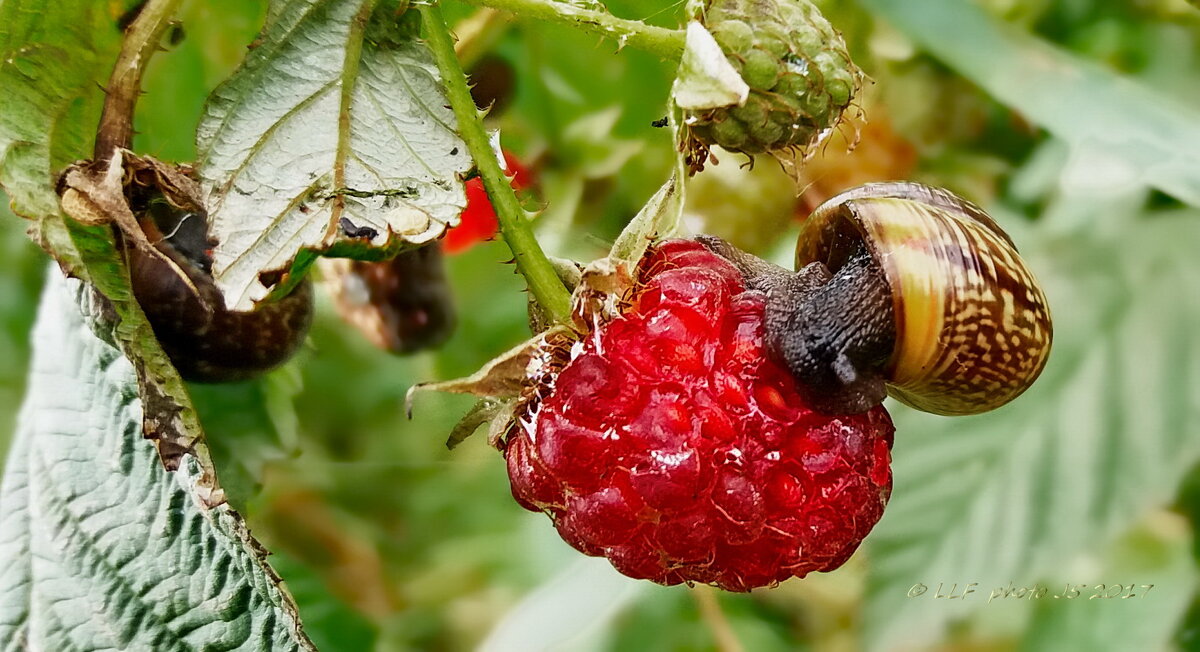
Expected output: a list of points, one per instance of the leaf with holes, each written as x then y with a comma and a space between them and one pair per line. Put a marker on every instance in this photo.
100, 547
334, 133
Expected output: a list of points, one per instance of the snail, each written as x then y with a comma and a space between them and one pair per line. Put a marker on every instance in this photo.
907, 290
205, 341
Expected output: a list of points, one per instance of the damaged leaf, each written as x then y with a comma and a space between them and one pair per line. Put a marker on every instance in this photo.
94, 195
336, 117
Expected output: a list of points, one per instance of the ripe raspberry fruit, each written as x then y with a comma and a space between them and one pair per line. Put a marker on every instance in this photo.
669, 443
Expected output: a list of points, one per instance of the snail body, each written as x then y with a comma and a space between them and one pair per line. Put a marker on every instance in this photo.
205, 341
906, 290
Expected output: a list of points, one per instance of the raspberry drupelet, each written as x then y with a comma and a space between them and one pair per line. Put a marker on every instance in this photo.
667, 441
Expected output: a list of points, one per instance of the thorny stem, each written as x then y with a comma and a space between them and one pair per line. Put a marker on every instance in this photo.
531, 261
142, 39
666, 43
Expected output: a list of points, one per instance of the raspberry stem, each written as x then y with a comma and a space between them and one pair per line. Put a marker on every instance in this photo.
531, 261
124, 85
708, 602
665, 43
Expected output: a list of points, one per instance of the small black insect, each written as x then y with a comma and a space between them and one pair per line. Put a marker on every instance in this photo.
351, 231
660, 123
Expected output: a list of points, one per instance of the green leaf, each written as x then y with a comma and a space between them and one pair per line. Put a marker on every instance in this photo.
56, 56
1138, 617
1105, 435
100, 547
1133, 133
337, 113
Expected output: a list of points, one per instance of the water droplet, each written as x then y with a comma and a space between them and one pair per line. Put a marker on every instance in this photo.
797, 65
671, 459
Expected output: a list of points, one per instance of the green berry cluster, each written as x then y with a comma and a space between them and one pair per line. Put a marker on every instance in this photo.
800, 75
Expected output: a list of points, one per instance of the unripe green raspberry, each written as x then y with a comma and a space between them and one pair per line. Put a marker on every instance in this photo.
730, 134
733, 36
751, 114
761, 69
800, 75
768, 135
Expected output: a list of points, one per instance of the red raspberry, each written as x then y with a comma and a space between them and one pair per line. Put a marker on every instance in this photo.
669, 443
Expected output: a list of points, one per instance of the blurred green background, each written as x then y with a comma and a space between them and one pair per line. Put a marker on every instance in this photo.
1073, 121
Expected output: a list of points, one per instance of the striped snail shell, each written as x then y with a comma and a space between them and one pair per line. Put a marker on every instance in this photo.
966, 328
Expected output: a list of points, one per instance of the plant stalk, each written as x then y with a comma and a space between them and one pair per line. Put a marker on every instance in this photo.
142, 39
531, 261
710, 612
665, 43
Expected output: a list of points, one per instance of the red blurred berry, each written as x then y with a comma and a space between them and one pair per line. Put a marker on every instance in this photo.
478, 220
669, 443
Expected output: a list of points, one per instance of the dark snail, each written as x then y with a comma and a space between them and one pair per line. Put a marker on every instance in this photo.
205, 341
909, 290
